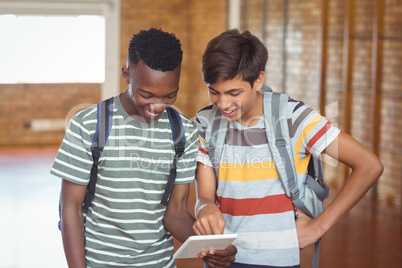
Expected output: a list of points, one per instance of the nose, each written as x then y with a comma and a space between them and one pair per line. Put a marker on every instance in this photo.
158, 107
224, 102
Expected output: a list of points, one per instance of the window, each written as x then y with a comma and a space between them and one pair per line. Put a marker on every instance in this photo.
52, 49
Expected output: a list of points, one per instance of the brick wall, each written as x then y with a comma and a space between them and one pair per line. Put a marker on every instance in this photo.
391, 108
193, 22
22, 104
296, 71
208, 19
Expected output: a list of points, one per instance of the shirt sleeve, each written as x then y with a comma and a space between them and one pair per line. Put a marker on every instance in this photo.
310, 132
74, 158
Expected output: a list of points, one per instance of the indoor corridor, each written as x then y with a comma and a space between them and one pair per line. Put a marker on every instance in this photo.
369, 236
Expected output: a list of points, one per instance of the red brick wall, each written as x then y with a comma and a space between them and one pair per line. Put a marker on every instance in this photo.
193, 22
301, 76
20, 104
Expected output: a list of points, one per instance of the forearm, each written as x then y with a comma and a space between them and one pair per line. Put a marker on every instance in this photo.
206, 190
179, 225
354, 189
209, 218
72, 229
177, 220
366, 168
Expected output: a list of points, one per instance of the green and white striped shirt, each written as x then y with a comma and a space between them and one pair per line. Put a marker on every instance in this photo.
124, 222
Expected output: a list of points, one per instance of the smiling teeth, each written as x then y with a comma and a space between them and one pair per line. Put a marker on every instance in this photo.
152, 114
228, 112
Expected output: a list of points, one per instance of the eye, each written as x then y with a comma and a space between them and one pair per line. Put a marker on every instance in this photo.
235, 94
213, 92
172, 96
146, 96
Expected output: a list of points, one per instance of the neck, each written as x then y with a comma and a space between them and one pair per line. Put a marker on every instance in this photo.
125, 101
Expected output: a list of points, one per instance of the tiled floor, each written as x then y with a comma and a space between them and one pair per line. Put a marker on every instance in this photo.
29, 236
369, 236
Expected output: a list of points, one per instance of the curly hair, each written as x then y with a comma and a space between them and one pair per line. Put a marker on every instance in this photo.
233, 55
159, 50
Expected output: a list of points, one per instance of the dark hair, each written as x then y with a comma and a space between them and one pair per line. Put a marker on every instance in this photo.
233, 54
159, 50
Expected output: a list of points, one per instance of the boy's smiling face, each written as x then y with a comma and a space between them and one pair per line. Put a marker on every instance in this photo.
150, 91
237, 100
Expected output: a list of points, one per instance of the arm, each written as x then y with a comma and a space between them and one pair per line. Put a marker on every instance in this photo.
72, 225
209, 219
177, 220
366, 169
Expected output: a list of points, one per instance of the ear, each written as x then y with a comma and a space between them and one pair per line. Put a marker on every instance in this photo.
260, 81
125, 75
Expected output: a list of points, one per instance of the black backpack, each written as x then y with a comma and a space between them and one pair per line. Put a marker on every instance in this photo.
103, 127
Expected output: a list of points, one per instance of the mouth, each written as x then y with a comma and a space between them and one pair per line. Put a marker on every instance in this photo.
151, 113
229, 113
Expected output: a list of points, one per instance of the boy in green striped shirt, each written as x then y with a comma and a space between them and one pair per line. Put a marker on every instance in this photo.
126, 225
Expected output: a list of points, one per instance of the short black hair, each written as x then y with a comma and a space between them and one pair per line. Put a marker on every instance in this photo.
159, 50
233, 55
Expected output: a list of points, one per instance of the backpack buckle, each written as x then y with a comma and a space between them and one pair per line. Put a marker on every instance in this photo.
280, 142
179, 148
295, 193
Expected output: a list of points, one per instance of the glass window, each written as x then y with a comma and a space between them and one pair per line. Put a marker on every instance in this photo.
52, 49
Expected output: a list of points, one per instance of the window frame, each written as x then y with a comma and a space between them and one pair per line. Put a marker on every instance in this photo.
109, 9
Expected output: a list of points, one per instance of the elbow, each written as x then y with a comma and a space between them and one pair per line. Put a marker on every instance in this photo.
376, 168
166, 221
370, 167
380, 168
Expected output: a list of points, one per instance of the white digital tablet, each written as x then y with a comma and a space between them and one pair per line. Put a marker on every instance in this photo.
198, 243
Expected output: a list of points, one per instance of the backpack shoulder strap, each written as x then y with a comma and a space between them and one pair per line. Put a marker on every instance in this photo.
103, 127
275, 105
176, 125
276, 126
179, 141
215, 138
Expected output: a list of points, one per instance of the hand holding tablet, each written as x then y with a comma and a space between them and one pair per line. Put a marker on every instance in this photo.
198, 243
